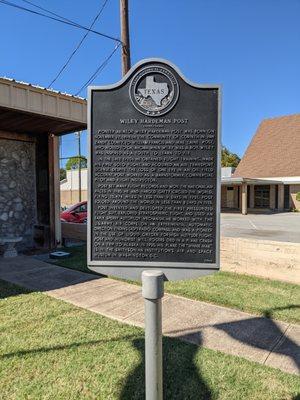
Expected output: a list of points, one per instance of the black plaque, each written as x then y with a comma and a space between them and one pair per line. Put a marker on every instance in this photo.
154, 174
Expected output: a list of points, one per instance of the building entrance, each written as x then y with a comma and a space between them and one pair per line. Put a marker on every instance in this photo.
261, 196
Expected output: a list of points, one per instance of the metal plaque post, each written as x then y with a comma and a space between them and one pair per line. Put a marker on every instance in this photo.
153, 292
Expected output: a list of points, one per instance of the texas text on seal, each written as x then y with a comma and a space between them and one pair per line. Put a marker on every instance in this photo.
154, 90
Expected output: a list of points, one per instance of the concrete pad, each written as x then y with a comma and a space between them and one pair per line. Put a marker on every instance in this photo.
37, 275
16, 264
286, 353
138, 318
103, 296
220, 328
98, 296
39, 284
279, 227
81, 287
120, 309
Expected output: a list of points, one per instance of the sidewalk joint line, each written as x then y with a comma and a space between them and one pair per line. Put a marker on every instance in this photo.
277, 343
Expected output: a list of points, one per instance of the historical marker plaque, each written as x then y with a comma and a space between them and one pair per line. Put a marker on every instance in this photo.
154, 178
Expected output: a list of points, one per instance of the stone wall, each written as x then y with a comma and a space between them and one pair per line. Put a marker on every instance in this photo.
17, 190
268, 259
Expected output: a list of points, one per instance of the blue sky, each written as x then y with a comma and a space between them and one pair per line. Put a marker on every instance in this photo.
251, 47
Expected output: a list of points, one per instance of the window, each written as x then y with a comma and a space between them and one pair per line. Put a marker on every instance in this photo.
248, 196
262, 196
276, 196
286, 197
82, 208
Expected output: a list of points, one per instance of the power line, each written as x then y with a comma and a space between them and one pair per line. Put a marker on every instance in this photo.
98, 70
62, 20
47, 11
79, 44
67, 21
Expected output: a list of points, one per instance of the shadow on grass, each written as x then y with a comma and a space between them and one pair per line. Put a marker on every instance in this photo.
70, 346
8, 289
182, 379
269, 313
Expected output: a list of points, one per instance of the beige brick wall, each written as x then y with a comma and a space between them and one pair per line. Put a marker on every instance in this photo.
223, 196
70, 197
273, 260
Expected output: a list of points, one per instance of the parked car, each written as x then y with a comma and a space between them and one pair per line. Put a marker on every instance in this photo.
76, 213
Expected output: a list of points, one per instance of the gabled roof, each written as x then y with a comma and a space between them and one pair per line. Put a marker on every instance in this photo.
274, 150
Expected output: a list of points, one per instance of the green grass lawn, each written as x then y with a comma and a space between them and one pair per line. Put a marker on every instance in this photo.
77, 261
52, 350
275, 299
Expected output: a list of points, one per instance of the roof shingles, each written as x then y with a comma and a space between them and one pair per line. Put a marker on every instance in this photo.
274, 150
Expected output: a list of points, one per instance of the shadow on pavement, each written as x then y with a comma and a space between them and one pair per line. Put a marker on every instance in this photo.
182, 378
37, 275
259, 332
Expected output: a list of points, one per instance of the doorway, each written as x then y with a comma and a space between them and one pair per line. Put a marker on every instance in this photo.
261, 196
230, 197
286, 197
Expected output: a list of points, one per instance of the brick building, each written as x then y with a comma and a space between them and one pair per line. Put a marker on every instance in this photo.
268, 176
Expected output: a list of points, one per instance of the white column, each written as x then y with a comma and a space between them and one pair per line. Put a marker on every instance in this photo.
272, 197
57, 192
280, 197
244, 199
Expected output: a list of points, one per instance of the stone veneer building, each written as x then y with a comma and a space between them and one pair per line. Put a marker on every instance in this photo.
31, 120
268, 176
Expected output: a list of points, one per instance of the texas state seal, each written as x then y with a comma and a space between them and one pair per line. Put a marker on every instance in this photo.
154, 90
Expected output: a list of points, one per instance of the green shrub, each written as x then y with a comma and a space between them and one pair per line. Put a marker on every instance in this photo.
298, 196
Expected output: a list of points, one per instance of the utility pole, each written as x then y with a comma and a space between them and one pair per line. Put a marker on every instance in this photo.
78, 134
125, 36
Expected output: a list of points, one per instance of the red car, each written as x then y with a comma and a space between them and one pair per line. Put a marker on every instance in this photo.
76, 213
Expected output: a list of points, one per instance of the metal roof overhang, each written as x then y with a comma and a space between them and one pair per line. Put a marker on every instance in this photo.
248, 181
30, 109
28, 122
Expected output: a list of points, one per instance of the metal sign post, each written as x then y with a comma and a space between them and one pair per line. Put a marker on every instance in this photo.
153, 292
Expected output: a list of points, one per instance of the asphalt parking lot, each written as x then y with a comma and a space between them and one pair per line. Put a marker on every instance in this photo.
283, 227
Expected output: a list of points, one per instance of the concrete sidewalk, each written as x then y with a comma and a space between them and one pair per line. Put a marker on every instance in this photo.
233, 332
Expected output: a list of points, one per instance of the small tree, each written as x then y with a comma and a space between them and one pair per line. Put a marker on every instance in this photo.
229, 159
73, 162
62, 174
